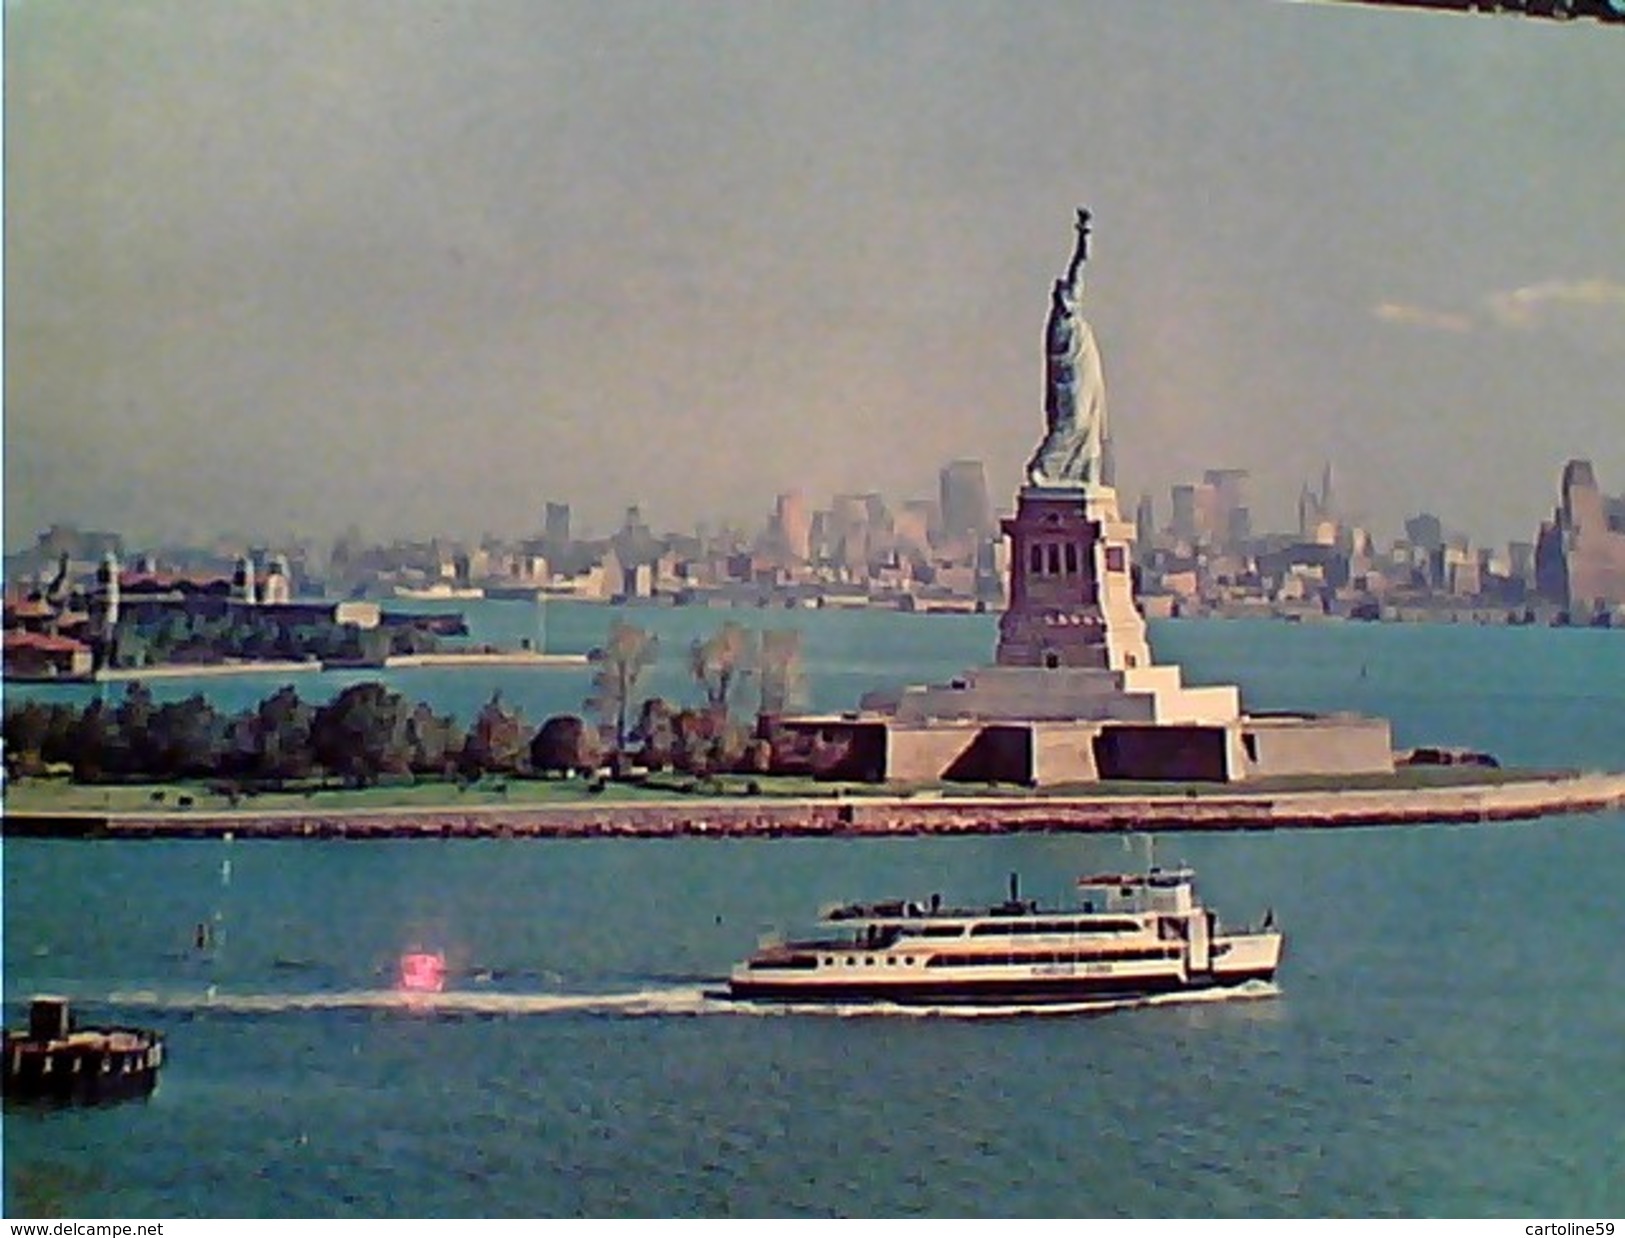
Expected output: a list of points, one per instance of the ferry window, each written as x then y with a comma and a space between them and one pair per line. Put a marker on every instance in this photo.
891, 962
868, 962
828, 962
851, 962
1109, 926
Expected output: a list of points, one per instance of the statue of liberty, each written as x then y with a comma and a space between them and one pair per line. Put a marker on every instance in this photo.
1072, 455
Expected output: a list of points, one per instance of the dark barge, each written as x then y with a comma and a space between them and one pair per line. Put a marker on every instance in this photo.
56, 1062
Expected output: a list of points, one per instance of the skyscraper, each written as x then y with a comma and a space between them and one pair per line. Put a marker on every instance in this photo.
913, 525
556, 524
1182, 523
792, 521
1579, 558
850, 531
1232, 518
1425, 530
1308, 512
1145, 523
966, 512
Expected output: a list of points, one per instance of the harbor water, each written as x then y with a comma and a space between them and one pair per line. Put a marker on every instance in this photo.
1443, 1038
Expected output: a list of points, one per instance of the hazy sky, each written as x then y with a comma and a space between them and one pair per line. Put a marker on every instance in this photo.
277, 266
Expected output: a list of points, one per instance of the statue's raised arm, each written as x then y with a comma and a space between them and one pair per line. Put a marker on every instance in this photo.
1080, 254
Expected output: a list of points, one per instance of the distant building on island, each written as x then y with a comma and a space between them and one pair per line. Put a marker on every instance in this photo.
129, 619
43, 655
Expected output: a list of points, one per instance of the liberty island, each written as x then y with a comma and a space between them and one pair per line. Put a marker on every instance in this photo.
1073, 707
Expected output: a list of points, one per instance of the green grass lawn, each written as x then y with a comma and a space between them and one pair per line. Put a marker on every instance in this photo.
55, 795
60, 795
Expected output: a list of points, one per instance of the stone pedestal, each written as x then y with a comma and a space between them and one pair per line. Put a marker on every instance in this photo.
1072, 644
1071, 585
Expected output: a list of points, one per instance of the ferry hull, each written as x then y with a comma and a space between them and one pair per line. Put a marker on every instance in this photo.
1014, 991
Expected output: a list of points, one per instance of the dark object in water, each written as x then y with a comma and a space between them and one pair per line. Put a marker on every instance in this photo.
1448, 756
435, 623
54, 1061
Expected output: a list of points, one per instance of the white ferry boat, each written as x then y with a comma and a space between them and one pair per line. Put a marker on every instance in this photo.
1131, 935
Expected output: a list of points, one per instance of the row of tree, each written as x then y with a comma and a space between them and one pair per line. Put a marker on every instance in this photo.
368, 732
364, 733
722, 665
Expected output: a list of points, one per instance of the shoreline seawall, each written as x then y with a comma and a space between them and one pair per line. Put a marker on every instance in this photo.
508, 658
879, 816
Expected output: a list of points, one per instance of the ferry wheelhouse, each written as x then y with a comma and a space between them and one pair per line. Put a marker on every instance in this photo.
1130, 935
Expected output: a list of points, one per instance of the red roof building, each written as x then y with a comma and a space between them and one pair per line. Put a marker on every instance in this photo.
39, 655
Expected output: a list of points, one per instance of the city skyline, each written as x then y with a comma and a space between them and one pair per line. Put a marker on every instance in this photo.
1215, 510
295, 269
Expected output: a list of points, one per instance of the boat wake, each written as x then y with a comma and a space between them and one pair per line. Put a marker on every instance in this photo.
671, 1000
664, 1001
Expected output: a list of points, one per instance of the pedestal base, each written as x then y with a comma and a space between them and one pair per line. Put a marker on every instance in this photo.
1071, 585
1148, 694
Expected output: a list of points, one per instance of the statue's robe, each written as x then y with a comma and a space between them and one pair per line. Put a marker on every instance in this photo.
1072, 453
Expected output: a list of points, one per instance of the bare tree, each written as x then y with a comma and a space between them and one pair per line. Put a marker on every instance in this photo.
781, 675
627, 654
722, 662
